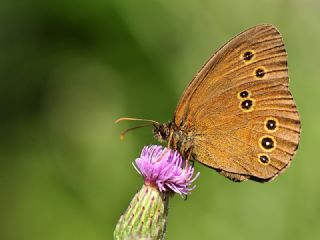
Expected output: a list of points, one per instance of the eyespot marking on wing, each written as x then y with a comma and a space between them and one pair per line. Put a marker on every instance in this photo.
260, 72
247, 104
244, 94
271, 124
267, 143
264, 159
248, 56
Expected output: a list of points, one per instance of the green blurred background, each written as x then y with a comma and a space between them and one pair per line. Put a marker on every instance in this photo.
68, 69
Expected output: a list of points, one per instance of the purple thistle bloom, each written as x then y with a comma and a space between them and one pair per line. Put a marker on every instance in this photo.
165, 168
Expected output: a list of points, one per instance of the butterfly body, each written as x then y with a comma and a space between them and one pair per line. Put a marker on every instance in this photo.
176, 138
237, 115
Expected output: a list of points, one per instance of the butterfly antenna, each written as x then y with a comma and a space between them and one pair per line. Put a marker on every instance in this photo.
135, 119
133, 128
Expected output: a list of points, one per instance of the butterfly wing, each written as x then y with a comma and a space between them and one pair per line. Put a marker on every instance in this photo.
238, 111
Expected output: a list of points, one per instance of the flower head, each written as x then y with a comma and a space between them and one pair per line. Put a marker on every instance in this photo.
165, 169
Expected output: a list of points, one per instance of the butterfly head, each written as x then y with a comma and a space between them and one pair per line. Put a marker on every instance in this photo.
161, 131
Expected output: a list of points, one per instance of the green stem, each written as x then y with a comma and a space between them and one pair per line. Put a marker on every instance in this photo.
146, 216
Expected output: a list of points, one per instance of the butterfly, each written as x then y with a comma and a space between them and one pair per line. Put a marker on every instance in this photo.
237, 115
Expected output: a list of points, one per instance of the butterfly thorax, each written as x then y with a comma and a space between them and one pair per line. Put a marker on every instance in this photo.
176, 138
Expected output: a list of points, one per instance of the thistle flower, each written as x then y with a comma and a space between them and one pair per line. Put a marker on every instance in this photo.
165, 173
165, 169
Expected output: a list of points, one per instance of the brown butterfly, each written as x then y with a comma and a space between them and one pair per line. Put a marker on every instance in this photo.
237, 115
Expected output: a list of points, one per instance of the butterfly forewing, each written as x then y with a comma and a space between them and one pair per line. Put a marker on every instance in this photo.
238, 111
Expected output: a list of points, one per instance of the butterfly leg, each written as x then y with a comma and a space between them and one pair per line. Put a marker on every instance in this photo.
189, 158
163, 154
170, 139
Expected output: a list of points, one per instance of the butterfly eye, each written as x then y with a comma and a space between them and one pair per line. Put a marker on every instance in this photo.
264, 159
267, 143
163, 134
260, 73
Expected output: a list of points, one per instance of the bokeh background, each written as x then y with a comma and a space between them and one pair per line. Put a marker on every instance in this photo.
68, 69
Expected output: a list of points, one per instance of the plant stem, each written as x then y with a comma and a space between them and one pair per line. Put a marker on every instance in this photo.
145, 217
